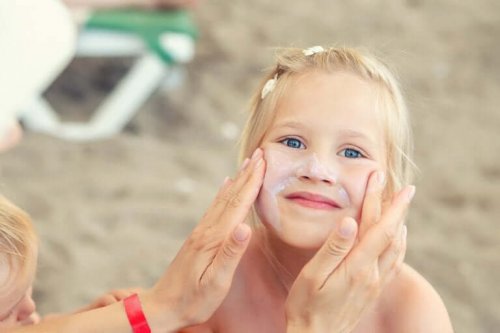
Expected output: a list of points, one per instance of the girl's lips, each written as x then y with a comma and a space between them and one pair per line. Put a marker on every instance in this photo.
312, 200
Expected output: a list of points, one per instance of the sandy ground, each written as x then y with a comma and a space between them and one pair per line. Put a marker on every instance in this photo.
113, 213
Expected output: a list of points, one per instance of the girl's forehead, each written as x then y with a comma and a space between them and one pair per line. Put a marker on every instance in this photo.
341, 98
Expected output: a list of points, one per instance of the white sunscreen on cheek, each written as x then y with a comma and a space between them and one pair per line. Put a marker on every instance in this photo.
279, 174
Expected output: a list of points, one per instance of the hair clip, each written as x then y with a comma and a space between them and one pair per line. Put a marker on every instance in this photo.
269, 86
313, 50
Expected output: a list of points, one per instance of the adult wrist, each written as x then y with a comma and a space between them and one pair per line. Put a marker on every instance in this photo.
294, 326
298, 329
162, 318
304, 324
309, 327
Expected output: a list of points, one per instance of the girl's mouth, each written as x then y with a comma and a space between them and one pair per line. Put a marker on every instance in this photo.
312, 200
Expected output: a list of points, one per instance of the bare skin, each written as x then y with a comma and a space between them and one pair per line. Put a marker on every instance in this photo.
324, 275
370, 303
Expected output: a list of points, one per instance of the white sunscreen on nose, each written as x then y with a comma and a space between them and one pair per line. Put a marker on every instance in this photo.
284, 170
311, 167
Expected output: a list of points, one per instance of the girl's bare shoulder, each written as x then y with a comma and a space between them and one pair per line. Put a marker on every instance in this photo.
410, 304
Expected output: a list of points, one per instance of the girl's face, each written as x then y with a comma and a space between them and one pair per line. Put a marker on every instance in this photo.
322, 146
17, 307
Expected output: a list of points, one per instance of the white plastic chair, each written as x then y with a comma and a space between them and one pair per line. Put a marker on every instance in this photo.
162, 41
37, 39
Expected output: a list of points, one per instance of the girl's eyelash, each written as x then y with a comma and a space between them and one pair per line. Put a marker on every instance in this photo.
288, 141
359, 152
297, 143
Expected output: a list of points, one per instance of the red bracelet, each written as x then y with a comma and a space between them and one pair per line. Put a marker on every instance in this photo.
135, 316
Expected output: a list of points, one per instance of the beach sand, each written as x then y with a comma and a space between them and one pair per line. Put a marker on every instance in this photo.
113, 213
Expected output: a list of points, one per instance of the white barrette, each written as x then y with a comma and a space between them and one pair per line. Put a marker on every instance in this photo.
313, 50
269, 86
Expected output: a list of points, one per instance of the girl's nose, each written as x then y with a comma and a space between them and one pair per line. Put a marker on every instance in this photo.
317, 171
26, 307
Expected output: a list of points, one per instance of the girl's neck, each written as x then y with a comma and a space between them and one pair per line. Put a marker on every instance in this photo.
286, 261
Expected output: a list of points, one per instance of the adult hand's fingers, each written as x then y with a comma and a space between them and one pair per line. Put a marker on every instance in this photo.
391, 260
200, 275
372, 203
333, 251
226, 260
124, 293
238, 195
238, 207
230, 208
324, 297
378, 238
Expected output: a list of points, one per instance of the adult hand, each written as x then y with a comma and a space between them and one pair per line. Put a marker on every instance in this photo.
200, 276
110, 297
344, 278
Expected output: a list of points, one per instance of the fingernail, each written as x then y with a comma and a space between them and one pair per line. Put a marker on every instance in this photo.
411, 193
226, 181
347, 228
404, 232
256, 154
259, 162
381, 178
244, 164
241, 232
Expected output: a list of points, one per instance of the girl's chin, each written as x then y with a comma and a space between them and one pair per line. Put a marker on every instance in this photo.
306, 244
298, 239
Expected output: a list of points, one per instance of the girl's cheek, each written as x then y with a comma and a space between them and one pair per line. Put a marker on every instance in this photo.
280, 171
357, 190
281, 168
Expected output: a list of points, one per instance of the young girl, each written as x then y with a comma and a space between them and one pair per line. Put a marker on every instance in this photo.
336, 139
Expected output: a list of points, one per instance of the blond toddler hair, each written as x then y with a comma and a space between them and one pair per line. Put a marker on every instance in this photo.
18, 241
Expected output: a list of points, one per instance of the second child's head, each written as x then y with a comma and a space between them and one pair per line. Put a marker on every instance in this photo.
326, 119
18, 257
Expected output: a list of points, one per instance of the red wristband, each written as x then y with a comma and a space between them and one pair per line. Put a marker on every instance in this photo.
135, 316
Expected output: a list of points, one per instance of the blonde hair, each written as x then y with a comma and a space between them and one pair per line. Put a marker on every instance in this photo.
292, 62
18, 239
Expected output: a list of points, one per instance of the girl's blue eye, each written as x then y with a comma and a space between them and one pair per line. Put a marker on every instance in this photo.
351, 153
293, 143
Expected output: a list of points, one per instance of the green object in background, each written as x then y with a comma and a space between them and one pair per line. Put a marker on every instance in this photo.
148, 24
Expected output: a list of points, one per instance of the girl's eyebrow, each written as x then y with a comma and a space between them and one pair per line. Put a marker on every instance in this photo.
367, 140
345, 132
354, 134
290, 124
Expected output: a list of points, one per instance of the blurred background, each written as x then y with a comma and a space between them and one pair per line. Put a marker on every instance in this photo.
112, 213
